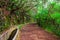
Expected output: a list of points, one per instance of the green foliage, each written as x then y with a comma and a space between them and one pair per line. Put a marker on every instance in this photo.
49, 18
18, 11
42, 16
21, 10
20, 26
57, 7
56, 17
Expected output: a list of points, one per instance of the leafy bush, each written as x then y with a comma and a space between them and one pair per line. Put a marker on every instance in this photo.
56, 17
42, 17
49, 19
16, 12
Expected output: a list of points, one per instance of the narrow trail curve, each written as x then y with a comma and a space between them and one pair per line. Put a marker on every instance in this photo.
33, 32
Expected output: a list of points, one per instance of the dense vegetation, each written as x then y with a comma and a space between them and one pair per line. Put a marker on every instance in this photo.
13, 12
45, 12
49, 17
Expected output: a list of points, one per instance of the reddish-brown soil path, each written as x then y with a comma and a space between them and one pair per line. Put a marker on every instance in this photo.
33, 32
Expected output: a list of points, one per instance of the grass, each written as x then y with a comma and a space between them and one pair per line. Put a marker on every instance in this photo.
20, 26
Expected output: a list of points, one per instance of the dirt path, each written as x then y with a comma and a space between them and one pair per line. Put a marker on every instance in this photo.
33, 32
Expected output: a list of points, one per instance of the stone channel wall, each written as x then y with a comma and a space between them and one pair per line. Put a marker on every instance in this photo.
17, 36
5, 36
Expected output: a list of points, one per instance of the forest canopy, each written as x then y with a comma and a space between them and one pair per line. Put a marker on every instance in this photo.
46, 13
